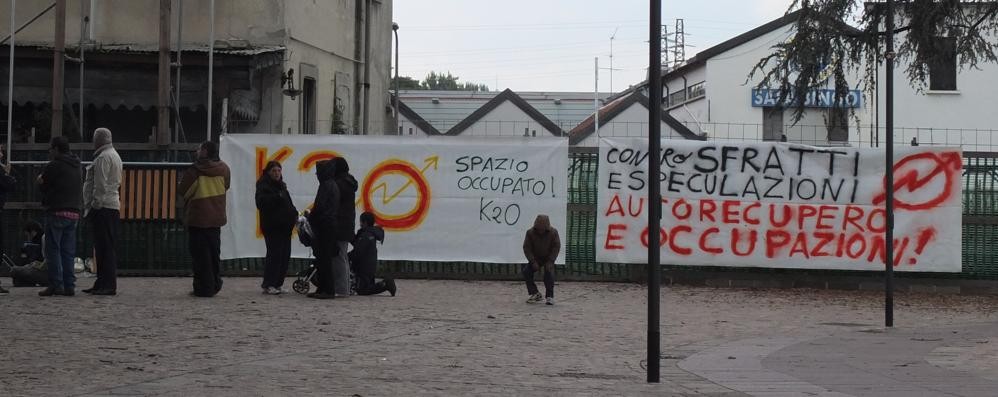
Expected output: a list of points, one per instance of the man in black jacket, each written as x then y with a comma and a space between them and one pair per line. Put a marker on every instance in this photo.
364, 258
322, 219
61, 184
344, 225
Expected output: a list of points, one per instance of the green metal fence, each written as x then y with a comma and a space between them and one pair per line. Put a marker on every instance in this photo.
159, 246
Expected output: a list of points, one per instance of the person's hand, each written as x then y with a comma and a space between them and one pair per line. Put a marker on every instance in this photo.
535, 266
39, 180
6, 168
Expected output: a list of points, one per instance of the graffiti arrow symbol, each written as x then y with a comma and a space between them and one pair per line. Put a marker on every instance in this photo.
911, 180
432, 161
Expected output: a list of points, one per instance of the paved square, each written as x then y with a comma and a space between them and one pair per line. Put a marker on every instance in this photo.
479, 338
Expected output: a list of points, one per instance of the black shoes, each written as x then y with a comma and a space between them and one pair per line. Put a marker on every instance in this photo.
392, 288
100, 291
50, 291
321, 295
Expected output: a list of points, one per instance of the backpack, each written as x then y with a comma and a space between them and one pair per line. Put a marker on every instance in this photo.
304, 231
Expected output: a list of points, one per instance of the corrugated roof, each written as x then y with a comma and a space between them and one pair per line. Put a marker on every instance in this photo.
455, 106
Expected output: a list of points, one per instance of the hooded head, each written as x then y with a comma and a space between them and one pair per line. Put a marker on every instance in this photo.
208, 151
325, 170
341, 165
542, 224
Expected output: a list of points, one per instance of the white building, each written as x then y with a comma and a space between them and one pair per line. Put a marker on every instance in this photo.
712, 95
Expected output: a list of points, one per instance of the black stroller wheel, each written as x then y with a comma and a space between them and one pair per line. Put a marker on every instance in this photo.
300, 286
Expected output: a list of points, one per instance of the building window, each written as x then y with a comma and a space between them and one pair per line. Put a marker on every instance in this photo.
308, 106
838, 124
772, 124
942, 67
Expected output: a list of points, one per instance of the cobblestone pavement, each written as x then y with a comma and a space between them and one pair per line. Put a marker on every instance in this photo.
479, 338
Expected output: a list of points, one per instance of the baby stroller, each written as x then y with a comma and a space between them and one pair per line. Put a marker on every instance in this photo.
306, 276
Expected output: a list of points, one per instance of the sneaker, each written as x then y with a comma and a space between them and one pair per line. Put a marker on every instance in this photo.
272, 291
534, 298
549, 301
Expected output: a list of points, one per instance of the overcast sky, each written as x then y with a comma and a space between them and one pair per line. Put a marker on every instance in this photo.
549, 45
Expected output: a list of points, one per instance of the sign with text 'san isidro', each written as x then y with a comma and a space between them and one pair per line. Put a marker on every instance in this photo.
780, 205
767, 97
438, 198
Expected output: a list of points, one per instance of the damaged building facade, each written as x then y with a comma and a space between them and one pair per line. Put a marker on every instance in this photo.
280, 66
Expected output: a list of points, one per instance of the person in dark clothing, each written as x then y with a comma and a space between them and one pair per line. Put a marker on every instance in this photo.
30, 270
203, 188
61, 185
344, 225
541, 246
7, 183
322, 218
364, 258
277, 219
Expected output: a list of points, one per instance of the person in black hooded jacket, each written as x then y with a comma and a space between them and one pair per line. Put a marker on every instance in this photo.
61, 185
277, 219
364, 258
322, 218
344, 225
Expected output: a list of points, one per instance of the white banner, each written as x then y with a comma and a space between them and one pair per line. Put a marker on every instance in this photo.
781, 205
438, 198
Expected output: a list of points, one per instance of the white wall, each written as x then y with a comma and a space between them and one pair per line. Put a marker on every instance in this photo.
962, 117
410, 128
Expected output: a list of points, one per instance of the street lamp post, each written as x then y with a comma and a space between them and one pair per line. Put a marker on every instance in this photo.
398, 118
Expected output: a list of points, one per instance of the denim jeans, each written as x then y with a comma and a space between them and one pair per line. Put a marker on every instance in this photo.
60, 251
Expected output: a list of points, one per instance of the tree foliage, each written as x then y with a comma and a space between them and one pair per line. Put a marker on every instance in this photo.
406, 83
826, 44
439, 81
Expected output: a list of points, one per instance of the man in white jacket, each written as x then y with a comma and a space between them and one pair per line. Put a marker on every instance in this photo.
101, 205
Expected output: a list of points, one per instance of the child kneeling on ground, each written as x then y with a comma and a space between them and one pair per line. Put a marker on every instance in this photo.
364, 258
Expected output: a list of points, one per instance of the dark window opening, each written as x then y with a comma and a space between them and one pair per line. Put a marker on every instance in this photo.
942, 66
772, 124
838, 124
308, 106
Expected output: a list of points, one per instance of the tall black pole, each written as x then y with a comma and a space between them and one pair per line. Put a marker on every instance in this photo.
654, 186
889, 172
